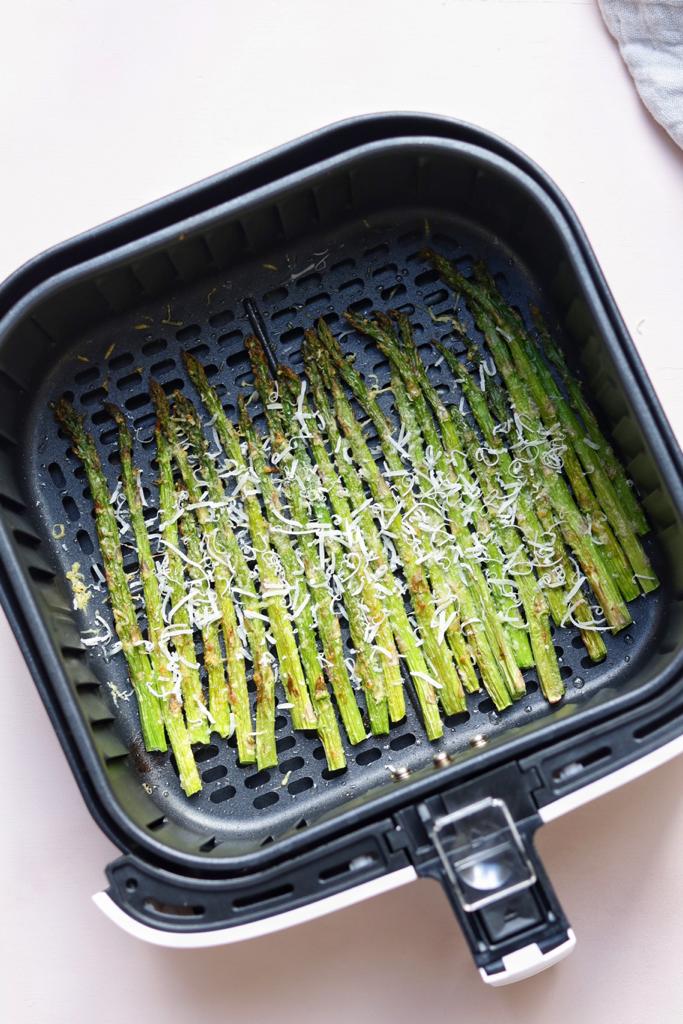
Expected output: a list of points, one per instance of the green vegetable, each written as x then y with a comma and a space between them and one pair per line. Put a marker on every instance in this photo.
311, 518
533, 511
339, 473
443, 673
456, 520
181, 625
209, 527
610, 462
125, 619
358, 577
269, 545
488, 310
291, 673
197, 730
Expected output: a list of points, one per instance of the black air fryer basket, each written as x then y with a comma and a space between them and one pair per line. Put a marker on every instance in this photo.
335, 220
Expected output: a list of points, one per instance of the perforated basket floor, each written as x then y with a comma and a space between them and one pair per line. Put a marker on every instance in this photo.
373, 264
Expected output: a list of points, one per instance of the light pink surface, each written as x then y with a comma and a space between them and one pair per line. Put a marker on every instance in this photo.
109, 106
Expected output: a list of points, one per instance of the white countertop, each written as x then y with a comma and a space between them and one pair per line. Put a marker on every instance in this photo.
108, 106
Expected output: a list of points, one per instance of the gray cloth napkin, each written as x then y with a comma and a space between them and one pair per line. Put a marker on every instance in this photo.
650, 37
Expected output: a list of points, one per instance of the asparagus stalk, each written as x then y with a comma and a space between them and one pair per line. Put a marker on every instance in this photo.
317, 591
291, 673
470, 613
546, 557
180, 737
618, 500
577, 609
125, 619
249, 748
557, 407
409, 364
604, 450
483, 305
420, 526
484, 654
451, 694
328, 625
456, 467
342, 473
574, 529
492, 624
410, 368
305, 494
369, 660
533, 513
532, 597
203, 613
444, 674
267, 548
181, 626
357, 552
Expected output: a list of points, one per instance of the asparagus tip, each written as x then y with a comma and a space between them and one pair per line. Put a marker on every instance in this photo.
115, 412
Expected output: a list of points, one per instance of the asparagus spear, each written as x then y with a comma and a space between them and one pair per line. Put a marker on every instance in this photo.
574, 530
451, 694
344, 473
533, 513
482, 305
317, 591
545, 557
180, 737
543, 383
407, 543
304, 494
328, 625
605, 453
203, 614
360, 613
125, 619
266, 544
291, 673
620, 497
419, 527
410, 367
263, 750
357, 553
480, 646
449, 587
181, 625
409, 363
492, 624
533, 600
577, 609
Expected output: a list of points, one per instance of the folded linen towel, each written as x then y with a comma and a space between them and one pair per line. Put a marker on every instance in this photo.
650, 38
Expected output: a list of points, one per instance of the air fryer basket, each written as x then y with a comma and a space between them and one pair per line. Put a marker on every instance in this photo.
344, 229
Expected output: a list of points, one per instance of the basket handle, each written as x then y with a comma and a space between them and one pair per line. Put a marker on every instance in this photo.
498, 888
